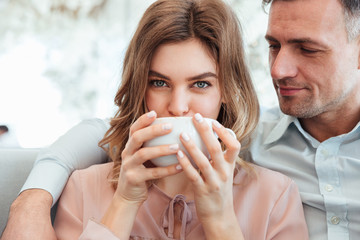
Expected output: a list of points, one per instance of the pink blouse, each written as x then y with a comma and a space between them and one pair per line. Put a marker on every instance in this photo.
267, 206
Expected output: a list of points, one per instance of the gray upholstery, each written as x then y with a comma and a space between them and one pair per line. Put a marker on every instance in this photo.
15, 166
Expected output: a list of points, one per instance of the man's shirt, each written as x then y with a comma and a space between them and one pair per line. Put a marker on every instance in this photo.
327, 173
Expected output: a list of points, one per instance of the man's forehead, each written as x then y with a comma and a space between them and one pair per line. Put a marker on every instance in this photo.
299, 17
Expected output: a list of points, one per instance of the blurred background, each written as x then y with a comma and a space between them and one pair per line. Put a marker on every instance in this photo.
60, 62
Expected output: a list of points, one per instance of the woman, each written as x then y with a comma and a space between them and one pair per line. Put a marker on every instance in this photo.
185, 59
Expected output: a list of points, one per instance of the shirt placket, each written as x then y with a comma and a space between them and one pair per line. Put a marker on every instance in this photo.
326, 165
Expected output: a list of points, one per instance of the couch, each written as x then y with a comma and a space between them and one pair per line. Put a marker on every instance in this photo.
15, 166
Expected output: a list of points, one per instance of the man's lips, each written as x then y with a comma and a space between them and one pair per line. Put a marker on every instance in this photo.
289, 91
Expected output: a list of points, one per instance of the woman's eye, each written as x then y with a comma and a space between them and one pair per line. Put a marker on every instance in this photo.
158, 83
201, 84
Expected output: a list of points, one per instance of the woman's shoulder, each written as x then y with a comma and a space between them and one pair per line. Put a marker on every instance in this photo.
94, 175
265, 174
264, 180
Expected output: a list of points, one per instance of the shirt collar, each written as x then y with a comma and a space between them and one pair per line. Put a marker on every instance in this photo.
285, 121
278, 131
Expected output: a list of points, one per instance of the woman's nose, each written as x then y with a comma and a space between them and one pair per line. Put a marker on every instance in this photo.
179, 103
283, 65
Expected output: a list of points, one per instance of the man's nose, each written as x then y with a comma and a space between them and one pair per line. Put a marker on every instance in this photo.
283, 64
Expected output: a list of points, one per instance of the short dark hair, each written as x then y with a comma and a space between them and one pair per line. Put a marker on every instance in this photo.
351, 15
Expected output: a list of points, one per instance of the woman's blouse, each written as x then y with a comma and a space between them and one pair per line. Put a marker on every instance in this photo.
267, 206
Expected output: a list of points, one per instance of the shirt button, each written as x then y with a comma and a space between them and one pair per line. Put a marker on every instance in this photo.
324, 152
335, 220
329, 188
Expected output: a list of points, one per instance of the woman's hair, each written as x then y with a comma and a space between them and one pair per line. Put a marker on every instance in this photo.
171, 21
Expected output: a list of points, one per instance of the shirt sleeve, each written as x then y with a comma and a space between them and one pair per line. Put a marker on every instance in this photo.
77, 149
287, 219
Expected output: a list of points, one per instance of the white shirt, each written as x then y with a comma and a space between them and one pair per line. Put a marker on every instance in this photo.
76, 149
327, 173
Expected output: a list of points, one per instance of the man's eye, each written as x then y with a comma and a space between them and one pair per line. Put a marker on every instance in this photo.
306, 50
158, 83
201, 84
274, 46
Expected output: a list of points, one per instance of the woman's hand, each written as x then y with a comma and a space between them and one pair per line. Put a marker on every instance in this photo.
132, 184
213, 186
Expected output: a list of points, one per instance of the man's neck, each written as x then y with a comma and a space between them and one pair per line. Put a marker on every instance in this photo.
331, 124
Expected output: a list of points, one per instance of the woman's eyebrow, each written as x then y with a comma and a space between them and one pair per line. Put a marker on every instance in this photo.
197, 77
159, 75
203, 75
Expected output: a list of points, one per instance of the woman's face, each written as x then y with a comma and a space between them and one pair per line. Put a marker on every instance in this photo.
183, 81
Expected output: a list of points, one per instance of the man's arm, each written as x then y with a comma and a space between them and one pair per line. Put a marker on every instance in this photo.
76, 149
29, 216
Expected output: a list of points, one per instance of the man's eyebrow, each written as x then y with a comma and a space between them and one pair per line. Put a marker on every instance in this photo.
297, 40
270, 38
197, 77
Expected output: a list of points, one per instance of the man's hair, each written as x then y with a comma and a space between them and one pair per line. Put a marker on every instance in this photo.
351, 16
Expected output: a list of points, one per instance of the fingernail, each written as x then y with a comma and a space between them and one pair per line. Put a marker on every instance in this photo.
180, 154
185, 137
216, 124
174, 147
167, 126
198, 117
151, 114
178, 167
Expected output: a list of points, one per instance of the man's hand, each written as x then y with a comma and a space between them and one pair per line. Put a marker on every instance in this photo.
29, 217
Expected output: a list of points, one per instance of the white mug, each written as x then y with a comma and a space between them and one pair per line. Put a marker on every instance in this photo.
180, 124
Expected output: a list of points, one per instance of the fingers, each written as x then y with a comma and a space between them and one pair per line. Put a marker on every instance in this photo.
191, 173
141, 131
221, 163
232, 145
207, 135
213, 145
135, 176
147, 153
143, 121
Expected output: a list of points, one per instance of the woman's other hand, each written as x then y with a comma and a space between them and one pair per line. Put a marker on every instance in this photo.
213, 180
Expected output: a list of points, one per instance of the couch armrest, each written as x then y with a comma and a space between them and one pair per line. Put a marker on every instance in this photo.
15, 166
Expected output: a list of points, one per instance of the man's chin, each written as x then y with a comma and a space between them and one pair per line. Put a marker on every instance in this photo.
299, 111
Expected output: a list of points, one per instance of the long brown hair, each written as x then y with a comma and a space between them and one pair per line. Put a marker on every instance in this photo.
171, 21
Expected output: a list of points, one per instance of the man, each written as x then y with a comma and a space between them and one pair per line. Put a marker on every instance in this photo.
315, 65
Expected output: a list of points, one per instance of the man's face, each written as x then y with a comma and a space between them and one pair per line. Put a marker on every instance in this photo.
315, 69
